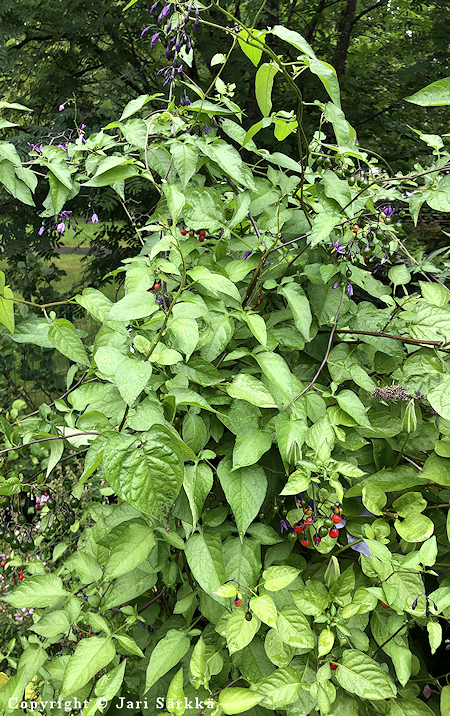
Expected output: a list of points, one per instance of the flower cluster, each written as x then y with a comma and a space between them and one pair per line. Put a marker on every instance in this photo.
170, 29
390, 393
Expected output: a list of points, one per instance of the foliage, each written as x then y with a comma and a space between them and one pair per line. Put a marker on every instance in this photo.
268, 403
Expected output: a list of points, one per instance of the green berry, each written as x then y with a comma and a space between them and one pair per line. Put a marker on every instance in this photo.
21, 519
4, 500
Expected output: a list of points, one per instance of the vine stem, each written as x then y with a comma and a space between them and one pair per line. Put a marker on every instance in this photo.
43, 440
390, 638
380, 334
327, 353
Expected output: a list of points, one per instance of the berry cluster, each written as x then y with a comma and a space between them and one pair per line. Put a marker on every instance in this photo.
190, 232
328, 528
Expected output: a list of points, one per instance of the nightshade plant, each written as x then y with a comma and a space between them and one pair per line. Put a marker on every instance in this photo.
270, 404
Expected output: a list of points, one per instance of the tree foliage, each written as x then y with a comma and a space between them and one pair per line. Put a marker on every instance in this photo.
268, 403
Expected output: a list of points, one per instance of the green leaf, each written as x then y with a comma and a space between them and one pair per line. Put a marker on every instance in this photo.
43, 590
134, 105
198, 481
293, 628
328, 77
235, 700
310, 601
280, 688
7, 309
434, 635
276, 578
221, 333
63, 335
109, 684
399, 275
349, 401
185, 331
138, 304
185, 158
132, 547
299, 305
437, 94
52, 624
229, 160
415, 528
131, 377
323, 226
413, 707
445, 702
91, 656
146, 470
250, 446
408, 503
128, 644
257, 325
253, 53
175, 200
128, 588
263, 87
358, 674
245, 490
326, 641
374, 499
437, 468
247, 387
294, 38
240, 632
214, 282
434, 293
265, 609
205, 558
166, 654
204, 209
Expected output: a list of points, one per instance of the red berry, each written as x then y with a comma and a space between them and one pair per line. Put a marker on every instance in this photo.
298, 529
336, 519
237, 602
384, 605
156, 286
183, 232
14, 580
201, 239
203, 232
305, 541
309, 521
334, 533
316, 539
2, 564
333, 667
20, 577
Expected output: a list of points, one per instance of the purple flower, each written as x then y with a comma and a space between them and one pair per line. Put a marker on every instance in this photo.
284, 526
335, 284
247, 254
41, 230
145, 30
360, 547
61, 227
61, 107
338, 248
94, 219
155, 38
180, 69
206, 128
388, 211
350, 289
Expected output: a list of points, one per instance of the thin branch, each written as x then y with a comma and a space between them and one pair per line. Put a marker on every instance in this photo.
333, 331
43, 440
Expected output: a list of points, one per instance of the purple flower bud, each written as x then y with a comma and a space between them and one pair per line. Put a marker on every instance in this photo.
166, 10
187, 101
168, 54
284, 526
41, 230
61, 107
94, 219
350, 289
154, 6
335, 284
247, 254
144, 31
155, 38
160, 71
206, 128
168, 27
61, 227
178, 45
180, 69
196, 25
182, 102
174, 64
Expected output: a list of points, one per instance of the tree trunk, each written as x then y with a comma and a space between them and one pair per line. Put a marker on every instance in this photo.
345, 33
